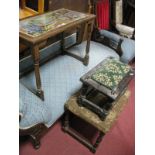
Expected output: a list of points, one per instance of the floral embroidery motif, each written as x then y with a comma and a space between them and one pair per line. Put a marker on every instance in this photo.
111, 73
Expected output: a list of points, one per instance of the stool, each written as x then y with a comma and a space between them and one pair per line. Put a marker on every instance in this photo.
110, 78
90, 117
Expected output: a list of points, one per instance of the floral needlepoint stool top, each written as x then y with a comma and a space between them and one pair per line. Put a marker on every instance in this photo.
109, 78
111, 73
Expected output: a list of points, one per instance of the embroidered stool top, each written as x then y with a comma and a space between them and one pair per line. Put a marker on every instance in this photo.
111, 73
109, 77
92, 118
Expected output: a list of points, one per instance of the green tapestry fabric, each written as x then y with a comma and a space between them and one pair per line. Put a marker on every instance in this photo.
111, 73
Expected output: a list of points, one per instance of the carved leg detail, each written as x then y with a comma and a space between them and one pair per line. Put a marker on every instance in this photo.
35, 141
82, 94
35, 54
35, 136
89, 31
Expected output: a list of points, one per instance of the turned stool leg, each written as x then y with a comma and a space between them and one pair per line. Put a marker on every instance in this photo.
82, 94
98, 141
66, 121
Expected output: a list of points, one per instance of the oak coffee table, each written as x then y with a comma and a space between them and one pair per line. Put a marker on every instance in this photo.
38, 29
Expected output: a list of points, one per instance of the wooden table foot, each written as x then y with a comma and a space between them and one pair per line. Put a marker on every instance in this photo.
36, 59
86, 60
40, 93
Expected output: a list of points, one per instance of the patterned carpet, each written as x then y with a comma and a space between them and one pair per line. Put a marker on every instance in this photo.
119, 141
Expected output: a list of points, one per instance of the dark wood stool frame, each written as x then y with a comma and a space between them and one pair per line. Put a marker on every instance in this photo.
113, 94
83, 101
66, 128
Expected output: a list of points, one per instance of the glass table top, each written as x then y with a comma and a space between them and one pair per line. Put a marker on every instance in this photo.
38, 25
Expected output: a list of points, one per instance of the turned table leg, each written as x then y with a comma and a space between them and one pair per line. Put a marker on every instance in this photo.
80, 34
35, 54
63, 43
89, 32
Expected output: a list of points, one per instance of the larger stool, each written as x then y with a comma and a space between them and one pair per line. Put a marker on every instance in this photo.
93, 119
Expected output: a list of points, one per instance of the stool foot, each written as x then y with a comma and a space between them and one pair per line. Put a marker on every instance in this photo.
92, 149
66, 122
99, 139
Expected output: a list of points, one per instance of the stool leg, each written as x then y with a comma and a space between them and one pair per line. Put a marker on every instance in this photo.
84, 90
66, 121
98, 140
82, 94
67, 129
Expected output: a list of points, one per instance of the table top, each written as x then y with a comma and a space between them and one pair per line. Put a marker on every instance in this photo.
40, 27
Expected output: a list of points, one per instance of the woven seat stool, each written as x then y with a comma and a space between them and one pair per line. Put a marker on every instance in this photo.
110, 78
93, 119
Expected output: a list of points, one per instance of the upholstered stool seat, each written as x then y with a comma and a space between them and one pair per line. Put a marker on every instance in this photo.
127, 46
90, 117
111, 73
